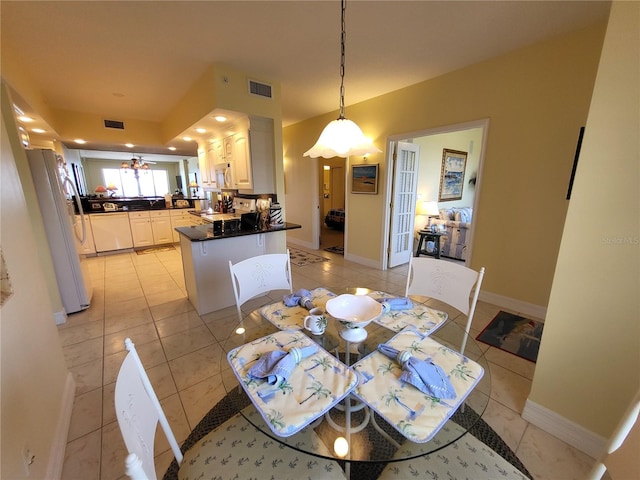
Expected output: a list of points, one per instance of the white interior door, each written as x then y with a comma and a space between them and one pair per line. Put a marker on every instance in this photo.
403, 205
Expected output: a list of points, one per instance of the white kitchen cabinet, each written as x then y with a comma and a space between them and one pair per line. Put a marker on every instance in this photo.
161, 227
203, 165
181, 218
251, 154
141, 231
262, 163
207, 167
88, 247
111, 231
241, 161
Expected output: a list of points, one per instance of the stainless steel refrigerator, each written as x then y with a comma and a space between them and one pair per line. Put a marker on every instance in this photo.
56, 194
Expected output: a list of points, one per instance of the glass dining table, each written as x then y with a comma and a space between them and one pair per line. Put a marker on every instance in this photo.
373, 419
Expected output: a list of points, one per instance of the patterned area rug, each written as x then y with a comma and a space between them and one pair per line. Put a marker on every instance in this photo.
167, 248
339, 250
302, 258
514, 334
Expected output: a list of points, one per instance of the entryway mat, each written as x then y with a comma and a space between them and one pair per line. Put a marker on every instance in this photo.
339, 250
167, 248
514, 334
302, 258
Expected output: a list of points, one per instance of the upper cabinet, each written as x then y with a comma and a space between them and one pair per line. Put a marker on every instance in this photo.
248, 149
241, 163
203, 165
258, 166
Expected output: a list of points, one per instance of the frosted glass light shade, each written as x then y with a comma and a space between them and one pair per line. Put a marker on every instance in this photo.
341, 138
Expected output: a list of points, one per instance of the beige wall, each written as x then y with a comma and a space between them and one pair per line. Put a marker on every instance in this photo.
587, 369
34, 377
536, 98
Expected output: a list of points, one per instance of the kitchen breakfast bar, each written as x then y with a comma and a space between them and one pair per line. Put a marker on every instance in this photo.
207, 250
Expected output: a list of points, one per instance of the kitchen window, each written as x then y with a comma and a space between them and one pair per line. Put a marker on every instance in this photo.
147, 183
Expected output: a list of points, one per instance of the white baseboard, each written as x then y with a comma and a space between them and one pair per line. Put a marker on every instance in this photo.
300, 243
569, 432
528, 309
56, 456
367, 262
60, 317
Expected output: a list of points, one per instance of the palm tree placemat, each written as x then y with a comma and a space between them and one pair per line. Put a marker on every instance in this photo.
514, 334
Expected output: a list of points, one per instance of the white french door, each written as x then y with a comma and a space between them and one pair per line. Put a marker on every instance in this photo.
405, 179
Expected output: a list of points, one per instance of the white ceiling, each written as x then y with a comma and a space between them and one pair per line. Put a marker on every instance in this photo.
129, 59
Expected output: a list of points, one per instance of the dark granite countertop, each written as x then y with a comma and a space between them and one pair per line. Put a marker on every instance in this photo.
200, 233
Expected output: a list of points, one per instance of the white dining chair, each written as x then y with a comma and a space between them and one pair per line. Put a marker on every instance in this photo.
466, 458
453, 284
138, 412
260, 275
235, 449
620, 457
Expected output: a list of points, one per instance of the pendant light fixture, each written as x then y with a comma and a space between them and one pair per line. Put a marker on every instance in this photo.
341, 137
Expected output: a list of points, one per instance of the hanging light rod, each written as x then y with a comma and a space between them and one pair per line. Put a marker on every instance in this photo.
342, 137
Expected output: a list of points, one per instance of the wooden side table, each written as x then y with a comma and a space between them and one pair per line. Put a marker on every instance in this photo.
428, 236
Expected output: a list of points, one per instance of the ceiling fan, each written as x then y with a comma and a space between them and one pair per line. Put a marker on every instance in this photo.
137, 164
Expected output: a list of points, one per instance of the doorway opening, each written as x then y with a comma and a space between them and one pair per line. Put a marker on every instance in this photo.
468, 137
332, 188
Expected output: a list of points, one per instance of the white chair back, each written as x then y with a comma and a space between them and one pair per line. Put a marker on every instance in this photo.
260, 274
139, 412
448, 282
620, 462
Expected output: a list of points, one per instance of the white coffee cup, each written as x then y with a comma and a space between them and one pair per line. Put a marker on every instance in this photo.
316, 321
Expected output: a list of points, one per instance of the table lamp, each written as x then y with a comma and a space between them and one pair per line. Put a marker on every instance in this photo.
194, 185
428, 209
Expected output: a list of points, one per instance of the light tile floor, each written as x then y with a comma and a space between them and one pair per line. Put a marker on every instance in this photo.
143, 297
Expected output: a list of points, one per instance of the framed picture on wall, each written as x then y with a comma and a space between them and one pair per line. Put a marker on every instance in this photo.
364, 178
452, 174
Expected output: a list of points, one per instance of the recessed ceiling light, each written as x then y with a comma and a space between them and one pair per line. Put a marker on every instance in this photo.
201, 130
38, 130
80, 141
187, 139
173, 149
220, 118
24, 118
129, 145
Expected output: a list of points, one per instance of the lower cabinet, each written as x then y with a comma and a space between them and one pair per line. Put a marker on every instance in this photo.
161, 227
119, 231
181, 218
141, 229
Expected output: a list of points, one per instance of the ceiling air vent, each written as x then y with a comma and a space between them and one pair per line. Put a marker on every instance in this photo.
114, 124
261, 89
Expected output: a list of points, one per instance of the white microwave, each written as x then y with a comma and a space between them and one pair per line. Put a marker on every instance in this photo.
224, 175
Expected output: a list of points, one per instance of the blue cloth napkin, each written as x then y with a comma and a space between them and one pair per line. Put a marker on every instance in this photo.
276, 367
395, 303
302, 297
425, 375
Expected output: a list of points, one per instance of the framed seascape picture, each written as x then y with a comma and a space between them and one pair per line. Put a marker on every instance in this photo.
452, 174
364, 179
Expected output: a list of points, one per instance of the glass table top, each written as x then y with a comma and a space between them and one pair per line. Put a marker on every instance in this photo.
369, 428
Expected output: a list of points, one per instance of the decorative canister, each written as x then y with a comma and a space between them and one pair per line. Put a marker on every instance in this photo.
275, 214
